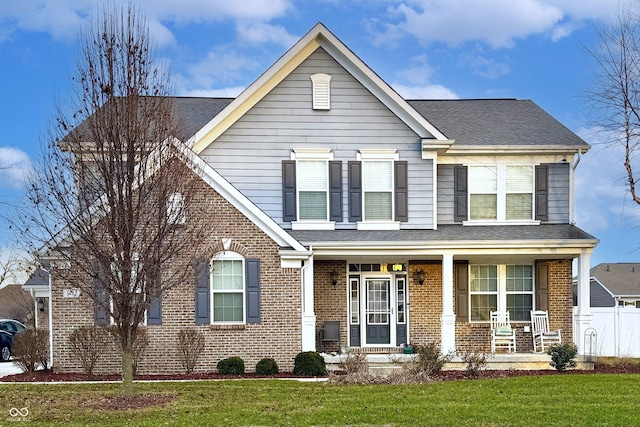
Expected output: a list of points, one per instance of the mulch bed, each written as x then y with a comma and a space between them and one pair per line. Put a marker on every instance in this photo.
49, 376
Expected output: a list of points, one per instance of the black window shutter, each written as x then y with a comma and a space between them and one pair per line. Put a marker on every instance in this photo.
154, 312
335, 191
542, 192
253, 290
355, 191
289, 190
401, 191
461, 278
542, 286
460, 193
202, 310
101, 296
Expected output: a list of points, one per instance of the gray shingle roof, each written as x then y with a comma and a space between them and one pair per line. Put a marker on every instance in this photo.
197, 112
496, 122
447, 233
619, 278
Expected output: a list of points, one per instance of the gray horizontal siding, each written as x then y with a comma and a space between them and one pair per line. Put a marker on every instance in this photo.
559, 192
250, 152
445, 194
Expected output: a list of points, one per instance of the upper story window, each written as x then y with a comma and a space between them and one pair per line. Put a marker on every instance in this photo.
378, 192
501, 193
502, 288
312, 189
321, 87
176, 213
377, 189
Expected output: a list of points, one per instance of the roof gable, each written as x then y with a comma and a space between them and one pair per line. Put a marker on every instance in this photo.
318, 36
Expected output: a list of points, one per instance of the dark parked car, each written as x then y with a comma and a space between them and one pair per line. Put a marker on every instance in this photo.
8, 329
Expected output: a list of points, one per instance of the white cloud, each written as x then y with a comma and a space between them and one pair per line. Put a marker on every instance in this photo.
258, 33
14, 163
425, 92
482, 65
498, 23
602, 198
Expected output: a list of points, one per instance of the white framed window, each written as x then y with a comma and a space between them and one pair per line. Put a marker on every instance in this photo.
175, 209
501, 193
502, 288
228, 288
377, 190
135, 287
354, 299
313, 190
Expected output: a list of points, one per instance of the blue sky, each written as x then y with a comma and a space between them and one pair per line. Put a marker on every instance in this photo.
526, 49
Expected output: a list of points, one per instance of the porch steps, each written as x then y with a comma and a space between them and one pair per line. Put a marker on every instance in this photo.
389, 361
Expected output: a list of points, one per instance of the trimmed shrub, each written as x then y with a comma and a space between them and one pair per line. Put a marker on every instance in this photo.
30, 349
562, 356
190, 348
87, 344
309, 364
231, 366
267, 366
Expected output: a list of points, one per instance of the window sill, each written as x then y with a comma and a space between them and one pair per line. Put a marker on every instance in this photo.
382, 225
486, 222
231, 327
313, 225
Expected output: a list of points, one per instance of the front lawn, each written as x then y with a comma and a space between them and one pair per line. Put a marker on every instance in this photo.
575, 400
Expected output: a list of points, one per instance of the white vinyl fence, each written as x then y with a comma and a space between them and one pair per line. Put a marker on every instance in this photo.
617, 331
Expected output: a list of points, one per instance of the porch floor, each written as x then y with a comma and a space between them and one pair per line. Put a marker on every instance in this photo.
389, 360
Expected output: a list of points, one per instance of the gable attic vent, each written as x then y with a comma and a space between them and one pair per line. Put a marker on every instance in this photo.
321, 91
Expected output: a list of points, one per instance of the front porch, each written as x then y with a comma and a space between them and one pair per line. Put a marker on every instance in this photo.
384, 361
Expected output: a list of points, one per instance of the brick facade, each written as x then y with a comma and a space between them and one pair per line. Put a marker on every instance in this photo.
278, 334
425, 306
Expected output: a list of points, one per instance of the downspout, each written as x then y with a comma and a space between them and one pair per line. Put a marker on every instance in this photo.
50, 324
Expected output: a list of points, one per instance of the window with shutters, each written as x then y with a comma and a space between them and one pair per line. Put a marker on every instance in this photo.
502, 288
377, 189
227, 288
136, 288
501, 193
321, 86
313, 190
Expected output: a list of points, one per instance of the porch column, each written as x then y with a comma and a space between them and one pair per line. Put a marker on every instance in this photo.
448, 318
583, 315
308, 314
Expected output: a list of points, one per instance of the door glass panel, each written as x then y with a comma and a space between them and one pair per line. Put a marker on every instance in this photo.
402, 301
378, 302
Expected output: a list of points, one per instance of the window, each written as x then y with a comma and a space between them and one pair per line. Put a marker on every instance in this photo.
377, 186
354, 299
503, 288
227, 288
501, 192
175, 209
313, 184
135, 286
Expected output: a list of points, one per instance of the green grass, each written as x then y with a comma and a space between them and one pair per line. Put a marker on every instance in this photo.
550, 400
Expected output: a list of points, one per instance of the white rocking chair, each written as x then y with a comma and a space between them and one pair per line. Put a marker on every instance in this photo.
540, 331
502, 335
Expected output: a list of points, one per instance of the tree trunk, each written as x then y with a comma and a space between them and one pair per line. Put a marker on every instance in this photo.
127, 371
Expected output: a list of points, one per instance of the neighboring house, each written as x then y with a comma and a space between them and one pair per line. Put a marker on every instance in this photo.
332, 198
16, 303
615, 307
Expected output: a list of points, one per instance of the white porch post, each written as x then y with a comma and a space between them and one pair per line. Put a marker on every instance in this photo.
448, 318
308, 314
583, 315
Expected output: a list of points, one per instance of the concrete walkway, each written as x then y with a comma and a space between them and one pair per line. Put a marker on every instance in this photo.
9, 368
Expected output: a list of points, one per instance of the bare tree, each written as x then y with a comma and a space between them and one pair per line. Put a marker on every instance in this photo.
111, 196
616, 93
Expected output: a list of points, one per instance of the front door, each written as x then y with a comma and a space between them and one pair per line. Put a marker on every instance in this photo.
378, 311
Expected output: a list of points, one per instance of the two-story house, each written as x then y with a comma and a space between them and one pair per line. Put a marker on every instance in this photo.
333, 199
